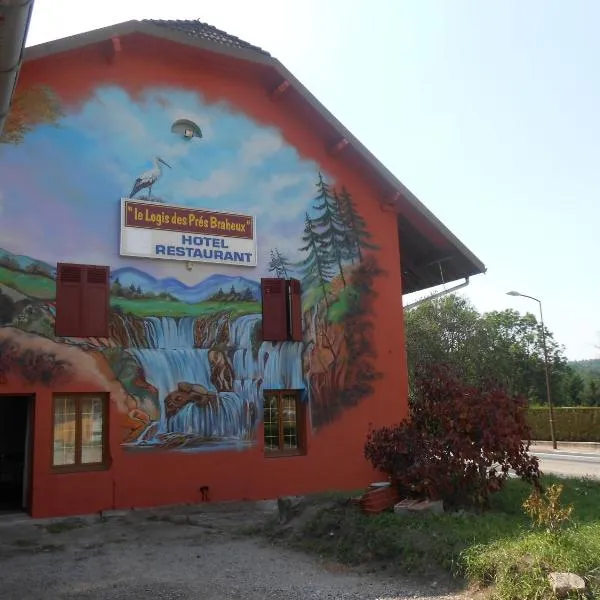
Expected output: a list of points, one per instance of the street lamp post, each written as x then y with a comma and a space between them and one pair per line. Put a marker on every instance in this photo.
546, 368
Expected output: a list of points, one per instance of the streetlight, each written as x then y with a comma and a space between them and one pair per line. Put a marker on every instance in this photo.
548, 392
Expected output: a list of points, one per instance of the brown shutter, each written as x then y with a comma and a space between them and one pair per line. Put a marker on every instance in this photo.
274, 310
69, 282
96, 299
295, 297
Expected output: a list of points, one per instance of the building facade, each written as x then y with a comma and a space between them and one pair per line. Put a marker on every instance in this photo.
200, 285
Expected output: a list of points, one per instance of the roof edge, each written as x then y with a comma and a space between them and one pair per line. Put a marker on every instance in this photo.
379, 167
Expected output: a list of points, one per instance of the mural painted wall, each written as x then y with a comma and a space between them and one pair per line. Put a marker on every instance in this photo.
184, 361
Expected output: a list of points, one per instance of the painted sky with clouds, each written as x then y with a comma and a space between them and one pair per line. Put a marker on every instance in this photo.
78, 170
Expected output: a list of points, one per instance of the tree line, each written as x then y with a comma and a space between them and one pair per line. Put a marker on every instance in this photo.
500, 346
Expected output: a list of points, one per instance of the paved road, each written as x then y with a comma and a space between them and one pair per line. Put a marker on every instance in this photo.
571, 464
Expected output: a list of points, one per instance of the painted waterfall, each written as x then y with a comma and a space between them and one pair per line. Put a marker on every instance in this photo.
184, 361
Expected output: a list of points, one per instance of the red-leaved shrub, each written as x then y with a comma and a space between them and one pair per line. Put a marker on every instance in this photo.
459, 444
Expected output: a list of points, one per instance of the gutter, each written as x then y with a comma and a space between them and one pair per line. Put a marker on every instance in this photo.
15, 17
438, 295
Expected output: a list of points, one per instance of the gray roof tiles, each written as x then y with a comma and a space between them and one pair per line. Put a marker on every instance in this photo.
201, 30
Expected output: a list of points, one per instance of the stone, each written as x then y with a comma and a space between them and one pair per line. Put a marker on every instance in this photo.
564, 583
402, 508
432, 506
290, 507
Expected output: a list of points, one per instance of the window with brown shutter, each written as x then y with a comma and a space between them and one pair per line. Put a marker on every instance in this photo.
281, 310
274, 310
82, 300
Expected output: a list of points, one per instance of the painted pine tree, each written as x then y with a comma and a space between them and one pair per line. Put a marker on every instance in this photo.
317, 266
347, 242
358, 238
330, 226
279, 264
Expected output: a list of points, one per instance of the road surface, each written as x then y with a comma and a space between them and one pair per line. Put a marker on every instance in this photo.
570, 464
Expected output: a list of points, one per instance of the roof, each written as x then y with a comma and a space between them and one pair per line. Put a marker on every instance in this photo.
198, 29
430, 253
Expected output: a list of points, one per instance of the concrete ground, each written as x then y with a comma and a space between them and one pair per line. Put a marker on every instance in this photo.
175, 554
569, 459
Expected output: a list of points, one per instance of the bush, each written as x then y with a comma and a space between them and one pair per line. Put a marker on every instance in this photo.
573, 424
459, 444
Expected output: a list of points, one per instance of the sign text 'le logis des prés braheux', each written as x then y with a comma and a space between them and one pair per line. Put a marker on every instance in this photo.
152, 230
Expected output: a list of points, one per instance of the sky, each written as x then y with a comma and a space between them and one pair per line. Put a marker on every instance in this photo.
237, 166
487, 111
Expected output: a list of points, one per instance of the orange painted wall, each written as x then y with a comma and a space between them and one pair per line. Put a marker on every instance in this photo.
335, 452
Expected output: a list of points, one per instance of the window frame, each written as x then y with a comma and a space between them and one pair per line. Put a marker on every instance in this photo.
301, 421
78, 466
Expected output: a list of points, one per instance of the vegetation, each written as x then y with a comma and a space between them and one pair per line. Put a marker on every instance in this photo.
498, 548
246, 295
503, 346
584, 384
573, 424
32, 285
30, 108
459, 444
175, 308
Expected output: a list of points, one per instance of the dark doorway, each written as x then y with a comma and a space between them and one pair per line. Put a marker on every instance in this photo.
16, 433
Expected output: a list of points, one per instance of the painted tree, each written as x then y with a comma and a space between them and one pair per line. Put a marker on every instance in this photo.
317, 266
328, 222
30, 108
358, 236
279, 264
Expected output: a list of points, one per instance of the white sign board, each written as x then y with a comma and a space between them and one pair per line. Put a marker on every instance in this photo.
152, 230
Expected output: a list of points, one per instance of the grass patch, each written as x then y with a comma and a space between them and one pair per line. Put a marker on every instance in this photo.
34, 286
172, 308
498, 547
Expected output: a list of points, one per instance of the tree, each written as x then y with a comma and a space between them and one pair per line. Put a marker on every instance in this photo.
356, 235
279, 264
316, 267
116, 289
573, 388
500, 346
30, 108
332, 232
248, 295
460, 442
592, 393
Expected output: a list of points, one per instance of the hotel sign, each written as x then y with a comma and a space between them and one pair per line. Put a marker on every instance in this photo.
151, 230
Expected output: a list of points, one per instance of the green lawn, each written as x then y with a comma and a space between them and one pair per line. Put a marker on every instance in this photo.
483, 549
173, 308
34, 286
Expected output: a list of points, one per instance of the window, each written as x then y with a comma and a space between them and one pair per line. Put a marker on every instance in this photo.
281, 310
82, 300
80, 431
284, 423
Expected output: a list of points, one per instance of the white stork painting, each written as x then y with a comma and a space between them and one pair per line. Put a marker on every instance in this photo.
148, 178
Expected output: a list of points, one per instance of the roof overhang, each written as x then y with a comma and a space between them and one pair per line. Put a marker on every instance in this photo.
431, 254
15, 16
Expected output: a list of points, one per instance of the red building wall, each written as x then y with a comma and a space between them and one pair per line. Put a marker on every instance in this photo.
334, 458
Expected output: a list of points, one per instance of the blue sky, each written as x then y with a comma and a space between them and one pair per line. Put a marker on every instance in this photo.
487, 111
90, 160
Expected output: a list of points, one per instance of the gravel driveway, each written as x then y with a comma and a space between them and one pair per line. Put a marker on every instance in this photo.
188, 553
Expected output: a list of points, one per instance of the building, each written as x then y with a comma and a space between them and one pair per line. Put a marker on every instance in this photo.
201, 277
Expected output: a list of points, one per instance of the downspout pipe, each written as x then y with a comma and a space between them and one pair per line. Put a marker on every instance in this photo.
438, 295
15, 17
